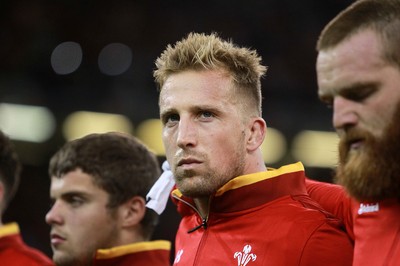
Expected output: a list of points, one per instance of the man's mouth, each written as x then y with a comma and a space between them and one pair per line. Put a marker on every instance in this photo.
355, 144
56, 239
188, 161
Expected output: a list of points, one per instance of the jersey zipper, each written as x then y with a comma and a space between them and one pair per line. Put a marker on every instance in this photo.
204, 224
203, 220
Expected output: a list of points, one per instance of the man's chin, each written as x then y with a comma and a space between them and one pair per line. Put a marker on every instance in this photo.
70, 261
190, 191
193, 189
371, 171
62, 260
366, 177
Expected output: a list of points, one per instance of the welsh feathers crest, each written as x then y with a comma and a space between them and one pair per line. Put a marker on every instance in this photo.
245, 256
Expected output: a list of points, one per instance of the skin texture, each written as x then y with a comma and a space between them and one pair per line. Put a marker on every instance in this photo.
364, 91
80, 221
208, 137
361, 87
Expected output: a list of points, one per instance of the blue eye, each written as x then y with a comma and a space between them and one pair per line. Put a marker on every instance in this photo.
206, 114
173, 118
169, 118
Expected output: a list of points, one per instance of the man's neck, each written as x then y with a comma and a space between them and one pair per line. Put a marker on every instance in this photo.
203, 206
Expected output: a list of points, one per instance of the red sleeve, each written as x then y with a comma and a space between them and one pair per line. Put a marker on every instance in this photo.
334, 199
14, 252
338, 250
29, 257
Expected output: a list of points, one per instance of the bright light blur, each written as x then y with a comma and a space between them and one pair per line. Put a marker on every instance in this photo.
274, 146
66, 58
150, 132
26, 122
81, 123
114, 59
316, 148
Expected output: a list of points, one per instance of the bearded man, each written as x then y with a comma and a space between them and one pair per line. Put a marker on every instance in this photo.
358, 70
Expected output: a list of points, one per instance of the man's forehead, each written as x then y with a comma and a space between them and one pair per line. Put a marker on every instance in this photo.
73, 179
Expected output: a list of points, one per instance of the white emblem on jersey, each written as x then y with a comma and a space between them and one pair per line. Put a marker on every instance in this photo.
365, 208
178, 256
245, 256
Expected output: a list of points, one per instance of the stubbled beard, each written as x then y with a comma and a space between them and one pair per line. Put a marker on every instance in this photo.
373, 172
205, 184
196, 185
73, 261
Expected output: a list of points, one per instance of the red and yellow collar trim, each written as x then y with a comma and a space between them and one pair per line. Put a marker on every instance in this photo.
9, 229
249, 179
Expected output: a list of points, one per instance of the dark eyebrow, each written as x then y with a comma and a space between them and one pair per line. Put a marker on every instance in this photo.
354, 88
71, 194
209, 108
360, 91
356, 92
360, 86
167, 110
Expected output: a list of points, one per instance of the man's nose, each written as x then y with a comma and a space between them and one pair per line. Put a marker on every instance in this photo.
54, 216
344, 113
187, 135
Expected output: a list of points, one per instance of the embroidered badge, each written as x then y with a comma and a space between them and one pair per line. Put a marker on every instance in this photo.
245, 256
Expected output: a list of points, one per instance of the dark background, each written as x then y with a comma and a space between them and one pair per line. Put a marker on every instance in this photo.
283, 32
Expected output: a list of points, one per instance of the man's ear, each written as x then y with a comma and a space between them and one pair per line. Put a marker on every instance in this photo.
133, 211
258, 128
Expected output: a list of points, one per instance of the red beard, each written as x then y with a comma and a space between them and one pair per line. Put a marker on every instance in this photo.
372, 173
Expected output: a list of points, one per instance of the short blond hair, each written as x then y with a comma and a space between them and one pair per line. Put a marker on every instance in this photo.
199, 51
